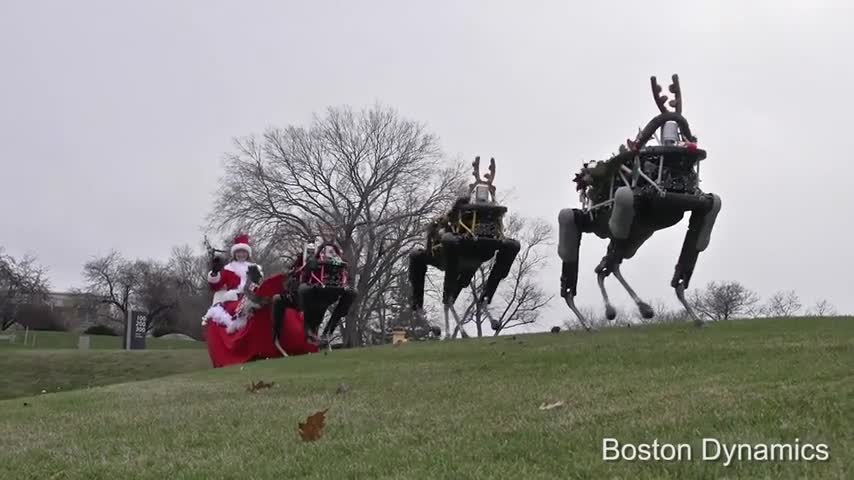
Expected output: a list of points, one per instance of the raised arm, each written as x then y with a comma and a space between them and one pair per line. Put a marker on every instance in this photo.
215, 281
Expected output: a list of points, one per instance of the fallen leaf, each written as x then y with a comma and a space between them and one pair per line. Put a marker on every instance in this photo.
550, 406
312, 429
260, 385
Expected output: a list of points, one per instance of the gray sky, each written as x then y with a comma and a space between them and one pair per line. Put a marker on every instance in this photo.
114, 116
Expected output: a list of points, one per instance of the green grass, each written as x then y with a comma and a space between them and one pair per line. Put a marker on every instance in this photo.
463, 409
35, 372
54, 364
54, 340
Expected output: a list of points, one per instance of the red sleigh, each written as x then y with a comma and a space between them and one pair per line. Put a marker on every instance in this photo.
256, 340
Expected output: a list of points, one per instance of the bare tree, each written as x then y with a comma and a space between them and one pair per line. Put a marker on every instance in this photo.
23, 282
519, 297
724, 300
157, 293
783, 304
188, 270
370, 176
124, 285
822, 308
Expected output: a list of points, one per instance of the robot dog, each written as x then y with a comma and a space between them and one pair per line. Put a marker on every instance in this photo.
640, 190
459, 242
318, 278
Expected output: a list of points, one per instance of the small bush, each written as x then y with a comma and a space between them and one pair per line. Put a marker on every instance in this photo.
160, 330
100, 330
41, 317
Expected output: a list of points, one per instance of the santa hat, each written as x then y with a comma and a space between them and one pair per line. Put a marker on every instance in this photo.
241, 242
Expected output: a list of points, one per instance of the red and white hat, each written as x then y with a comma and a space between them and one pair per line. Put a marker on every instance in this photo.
241, 242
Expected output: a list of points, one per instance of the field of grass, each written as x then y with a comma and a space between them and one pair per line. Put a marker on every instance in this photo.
54, 364
54, 340
462, 409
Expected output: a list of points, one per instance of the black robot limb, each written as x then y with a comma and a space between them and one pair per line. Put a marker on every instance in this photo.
451, 252
345, 301
696, 240
463, 280
418, 261
626, 238
572, 222
278, 311
506, 254
314, 301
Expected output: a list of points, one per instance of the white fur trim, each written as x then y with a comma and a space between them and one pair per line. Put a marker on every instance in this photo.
221, 296
218, 315
214, 278
241, 246
236, 325
241, 269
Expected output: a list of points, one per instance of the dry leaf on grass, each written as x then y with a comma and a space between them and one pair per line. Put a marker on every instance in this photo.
549, 406
259, 385
312, 429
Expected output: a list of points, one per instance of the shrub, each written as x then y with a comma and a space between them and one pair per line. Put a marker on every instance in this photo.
41, 317
100, 330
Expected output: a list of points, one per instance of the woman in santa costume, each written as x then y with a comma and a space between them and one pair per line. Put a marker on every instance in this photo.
227, 282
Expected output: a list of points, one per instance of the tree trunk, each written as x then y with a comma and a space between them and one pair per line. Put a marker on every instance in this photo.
478, 321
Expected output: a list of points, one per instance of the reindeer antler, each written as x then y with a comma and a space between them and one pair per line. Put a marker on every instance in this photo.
661, 100
656, 94
674, 88
476, 168
491, 175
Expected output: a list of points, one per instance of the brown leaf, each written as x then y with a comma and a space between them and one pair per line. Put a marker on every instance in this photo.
259, 385
312, 429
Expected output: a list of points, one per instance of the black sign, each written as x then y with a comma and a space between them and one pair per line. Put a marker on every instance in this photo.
135, 330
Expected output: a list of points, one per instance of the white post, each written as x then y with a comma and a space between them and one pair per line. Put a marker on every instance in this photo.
26, 334
128, 328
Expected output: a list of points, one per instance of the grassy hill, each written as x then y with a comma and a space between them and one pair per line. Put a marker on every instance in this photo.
55, 340
463, 409
54, 364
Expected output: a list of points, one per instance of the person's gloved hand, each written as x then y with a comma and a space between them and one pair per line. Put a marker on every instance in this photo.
216, 264
254, 274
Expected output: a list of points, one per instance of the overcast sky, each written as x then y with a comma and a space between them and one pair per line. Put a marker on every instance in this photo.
114, 116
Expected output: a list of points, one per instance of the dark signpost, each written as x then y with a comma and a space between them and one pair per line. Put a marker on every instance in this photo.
135, 330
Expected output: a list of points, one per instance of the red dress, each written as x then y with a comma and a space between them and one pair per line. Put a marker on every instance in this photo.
256, 339
227, 286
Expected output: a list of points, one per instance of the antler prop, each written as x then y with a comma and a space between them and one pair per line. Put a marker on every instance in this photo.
487, 178
661, 100
491, 175
476, 169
